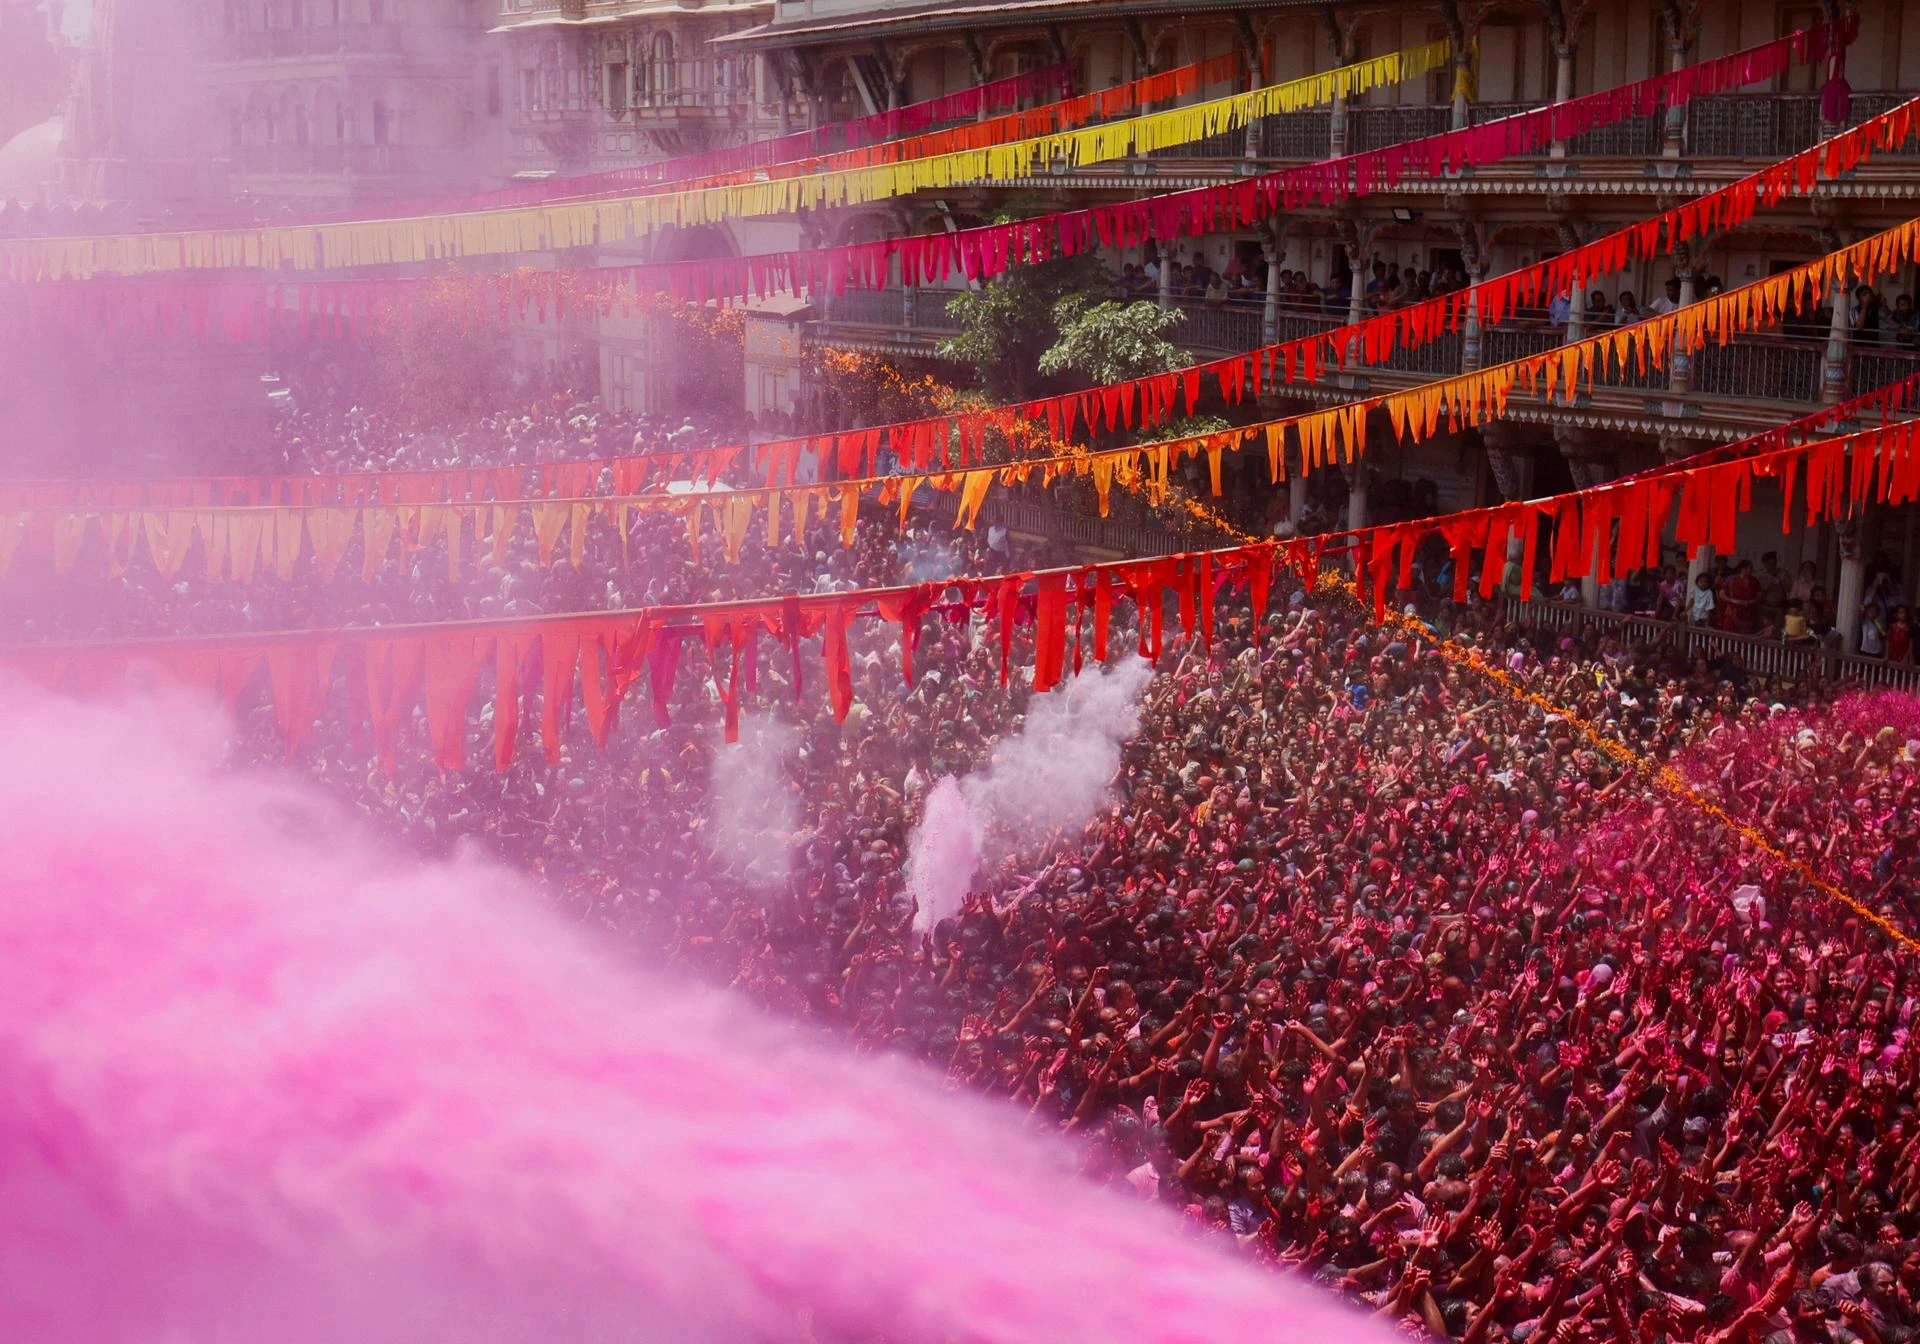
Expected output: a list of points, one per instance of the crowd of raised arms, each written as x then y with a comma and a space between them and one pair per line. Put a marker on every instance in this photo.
1370, 968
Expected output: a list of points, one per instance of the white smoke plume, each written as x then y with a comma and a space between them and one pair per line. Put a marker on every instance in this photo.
752, 811
1054, 773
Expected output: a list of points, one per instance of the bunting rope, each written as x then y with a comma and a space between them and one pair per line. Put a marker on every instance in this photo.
243, 540
1665, 778
833, 138
1372, 342
1618, 525
546, 227
243, 309
1049, 118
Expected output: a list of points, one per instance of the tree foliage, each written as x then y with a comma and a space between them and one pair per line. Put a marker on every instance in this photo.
1006, 326
1111, 342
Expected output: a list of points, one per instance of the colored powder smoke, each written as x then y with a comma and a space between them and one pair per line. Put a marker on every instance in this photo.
259, 1087
1053, 774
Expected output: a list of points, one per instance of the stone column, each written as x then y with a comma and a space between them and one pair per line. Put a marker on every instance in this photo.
1576, 312
1674, 134
1297, 495
1470, 332
1562, 88
1853, 585
1499, 439
1680, 362
1357, 300
1357, 494
1337, 124
1270, 310
1462, 82
1833, 368
1166, 277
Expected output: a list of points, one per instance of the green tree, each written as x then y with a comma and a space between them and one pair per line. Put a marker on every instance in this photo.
1111, 342
1006, 326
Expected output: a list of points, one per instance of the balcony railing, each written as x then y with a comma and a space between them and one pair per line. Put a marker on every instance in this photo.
1297, 135
1760, 657
1781, 368
896, 309
1874, 366
1225, 327
323, 40
1378, 127
1760, 370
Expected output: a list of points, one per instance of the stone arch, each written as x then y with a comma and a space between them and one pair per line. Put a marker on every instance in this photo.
1011, 56
934, 68
329, 117
698, 242
257, 119
292, 124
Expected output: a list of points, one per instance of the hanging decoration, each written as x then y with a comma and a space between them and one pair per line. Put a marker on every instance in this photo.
241, 543
540, 228
243, 309
949, 452
379, 678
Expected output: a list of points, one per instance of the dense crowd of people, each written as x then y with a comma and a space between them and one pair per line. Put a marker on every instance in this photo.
1366, 968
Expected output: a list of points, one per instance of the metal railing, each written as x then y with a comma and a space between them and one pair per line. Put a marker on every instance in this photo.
1786, 368
1228, 326
900, 309
1498, 345
1869, 367
868, 307
1378, 127
1760, 370
1769, 126
1222, 145
1297, 135
1761, 657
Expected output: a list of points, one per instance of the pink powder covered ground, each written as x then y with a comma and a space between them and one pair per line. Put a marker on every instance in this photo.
259, 1086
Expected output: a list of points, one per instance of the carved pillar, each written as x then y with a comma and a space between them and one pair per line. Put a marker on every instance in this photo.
1270, 310
1500, 440
1680, 362
1833, 368
1562, 86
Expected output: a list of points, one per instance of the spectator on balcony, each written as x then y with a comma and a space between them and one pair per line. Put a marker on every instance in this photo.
1668, 302
1700, 602
1900, 637
1903, 321
1214, 292
1865, 314
1339, 296
1873, 630
1883, 586
1378, 284
1794, 628
1669, 594
1246, 292
1599, 309
1804, 583
1629, 310
1820, 613
1774, 589
1740, 596
1560, 310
